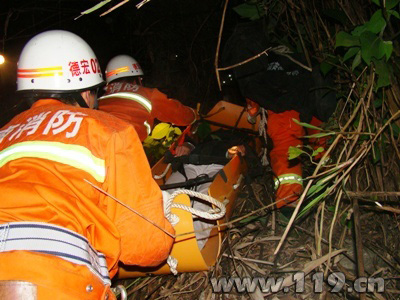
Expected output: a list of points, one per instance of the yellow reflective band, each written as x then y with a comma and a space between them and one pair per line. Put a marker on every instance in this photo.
131, 96
288, 179
148, 127
72, 155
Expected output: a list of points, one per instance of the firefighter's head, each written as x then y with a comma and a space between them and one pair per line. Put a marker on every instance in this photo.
59, 64
125, 68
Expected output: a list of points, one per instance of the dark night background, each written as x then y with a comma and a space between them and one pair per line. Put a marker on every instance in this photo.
175, 41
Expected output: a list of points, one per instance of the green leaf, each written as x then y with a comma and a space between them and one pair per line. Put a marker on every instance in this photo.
394, 13
350, 53
378, 103
311, 204
377, 23
315, 188
387, 49
249, 219
149, 142
383, 71
346, 40
376, 154
359, 30
337, 15
391, 3
171, 133
396, 130
249, 11
177, 131
306, 124
160, 131
331, 208
318, 135
325, 67
203, 130
215, 137
371, 46
329, 62
294, 152
377, 2
317, 151
96, 7
345, 222
356, 61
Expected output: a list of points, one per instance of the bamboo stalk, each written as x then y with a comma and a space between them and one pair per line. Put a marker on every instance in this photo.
372, 194
219, 44
359, 245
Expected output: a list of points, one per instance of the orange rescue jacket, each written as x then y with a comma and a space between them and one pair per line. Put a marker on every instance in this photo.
46, 153
139, 106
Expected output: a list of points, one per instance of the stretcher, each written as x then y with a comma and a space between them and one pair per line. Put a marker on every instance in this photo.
225, 188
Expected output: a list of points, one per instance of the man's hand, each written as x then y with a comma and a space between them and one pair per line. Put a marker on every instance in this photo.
236, 150
184, 149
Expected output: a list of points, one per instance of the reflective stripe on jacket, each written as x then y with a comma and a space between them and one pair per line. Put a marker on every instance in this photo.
48, 151
285, 133
139, 106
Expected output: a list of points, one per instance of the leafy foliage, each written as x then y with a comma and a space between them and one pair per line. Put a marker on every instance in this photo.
366, 44
252, 10
356, 42
159, 141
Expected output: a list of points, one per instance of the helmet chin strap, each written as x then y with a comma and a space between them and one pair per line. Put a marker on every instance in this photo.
81, 101
96, 104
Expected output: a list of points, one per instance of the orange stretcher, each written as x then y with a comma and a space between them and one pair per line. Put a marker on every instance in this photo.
225, 188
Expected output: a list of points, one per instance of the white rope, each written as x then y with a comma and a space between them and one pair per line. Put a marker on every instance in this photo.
173, 264
262, 131
213, 214
162, 175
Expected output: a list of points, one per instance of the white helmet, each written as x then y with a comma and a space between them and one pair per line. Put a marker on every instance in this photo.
122, 66
58, 61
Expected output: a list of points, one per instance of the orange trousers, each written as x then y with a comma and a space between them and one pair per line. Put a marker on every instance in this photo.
284, 133
54, 277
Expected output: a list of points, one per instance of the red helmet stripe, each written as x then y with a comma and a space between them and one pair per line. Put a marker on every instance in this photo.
116, 71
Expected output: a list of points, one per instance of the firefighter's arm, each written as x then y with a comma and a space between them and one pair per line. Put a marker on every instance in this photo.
171, 110
142, 243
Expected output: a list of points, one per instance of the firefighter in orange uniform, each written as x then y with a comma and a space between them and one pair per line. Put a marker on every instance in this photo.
127, 99
285, 133
279, 83
61, 238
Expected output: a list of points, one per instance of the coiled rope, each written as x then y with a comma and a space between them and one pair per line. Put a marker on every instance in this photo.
212, 214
